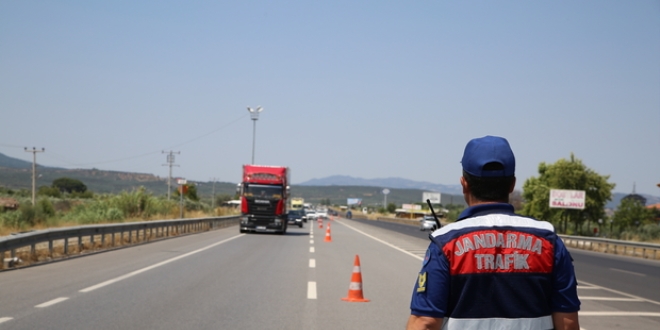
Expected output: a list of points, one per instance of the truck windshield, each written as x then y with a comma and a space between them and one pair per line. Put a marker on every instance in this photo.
263, 191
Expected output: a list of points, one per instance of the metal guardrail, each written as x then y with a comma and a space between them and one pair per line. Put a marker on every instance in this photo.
628, 248
605, 245
109, 236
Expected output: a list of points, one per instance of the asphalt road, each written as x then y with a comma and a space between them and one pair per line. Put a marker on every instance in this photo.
226, 280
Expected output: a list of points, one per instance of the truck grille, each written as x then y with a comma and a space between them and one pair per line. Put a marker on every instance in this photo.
261, 208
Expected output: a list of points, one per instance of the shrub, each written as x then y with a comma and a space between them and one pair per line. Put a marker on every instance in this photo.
45, 209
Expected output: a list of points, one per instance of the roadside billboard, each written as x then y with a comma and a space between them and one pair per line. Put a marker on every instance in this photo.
567, 199
411, 207
434, 197
354, 201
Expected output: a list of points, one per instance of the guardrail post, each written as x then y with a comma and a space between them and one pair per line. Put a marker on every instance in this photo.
103, 240
113, 239
79, 243
33, 251
50, 248
130, 236
66, 246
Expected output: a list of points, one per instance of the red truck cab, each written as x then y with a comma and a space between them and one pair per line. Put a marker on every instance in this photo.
264, 192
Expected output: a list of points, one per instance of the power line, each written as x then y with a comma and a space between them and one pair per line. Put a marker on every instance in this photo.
151, 152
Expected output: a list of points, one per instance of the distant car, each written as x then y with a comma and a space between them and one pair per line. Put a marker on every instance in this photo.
310, 214
322, 214
428, 223
295, 217
349, 215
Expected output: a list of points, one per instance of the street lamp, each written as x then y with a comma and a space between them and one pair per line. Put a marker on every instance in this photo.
254, 114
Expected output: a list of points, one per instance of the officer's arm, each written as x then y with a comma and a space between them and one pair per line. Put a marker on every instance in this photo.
565, 321
423, 323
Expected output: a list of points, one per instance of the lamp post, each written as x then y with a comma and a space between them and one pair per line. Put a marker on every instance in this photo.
254, 114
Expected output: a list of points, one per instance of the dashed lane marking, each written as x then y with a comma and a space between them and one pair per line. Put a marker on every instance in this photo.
311, 241
311, 290
312, 263
311, 249
5, 319
52, 302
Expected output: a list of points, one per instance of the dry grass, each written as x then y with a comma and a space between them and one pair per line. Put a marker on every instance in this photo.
87, 245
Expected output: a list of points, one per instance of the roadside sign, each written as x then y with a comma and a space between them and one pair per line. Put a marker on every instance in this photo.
386, 191
434, 197
567, 199
181, 181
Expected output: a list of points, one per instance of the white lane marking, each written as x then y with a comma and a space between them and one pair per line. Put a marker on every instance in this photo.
311, 290
52, 302
381, 241
312, 263
621, 293
627, 272
618, 313
610, 299
5, 319
582, 287
311, 241
139, 271
311, 249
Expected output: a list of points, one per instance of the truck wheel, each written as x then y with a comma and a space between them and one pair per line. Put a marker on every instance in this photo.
300, 225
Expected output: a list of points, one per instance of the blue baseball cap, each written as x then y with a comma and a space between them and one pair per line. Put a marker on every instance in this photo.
488, 149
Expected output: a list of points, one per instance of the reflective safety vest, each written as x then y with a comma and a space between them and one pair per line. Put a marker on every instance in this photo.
495, 270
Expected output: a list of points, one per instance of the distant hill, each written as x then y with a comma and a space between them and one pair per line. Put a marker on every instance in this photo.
456, 190
343, 180
9, 162
17, 174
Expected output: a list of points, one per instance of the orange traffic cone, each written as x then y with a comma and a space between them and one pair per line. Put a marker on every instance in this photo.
320, 222
355, 288
328, 238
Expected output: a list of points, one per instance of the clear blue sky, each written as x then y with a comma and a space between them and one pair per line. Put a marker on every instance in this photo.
370, 89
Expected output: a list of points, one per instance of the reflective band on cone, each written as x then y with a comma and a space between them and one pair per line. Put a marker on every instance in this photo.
355, 288
328, 238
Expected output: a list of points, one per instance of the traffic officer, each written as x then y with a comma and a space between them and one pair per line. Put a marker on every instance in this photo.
493, 269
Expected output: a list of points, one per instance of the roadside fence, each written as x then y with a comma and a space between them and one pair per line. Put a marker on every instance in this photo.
56, 243
626, 248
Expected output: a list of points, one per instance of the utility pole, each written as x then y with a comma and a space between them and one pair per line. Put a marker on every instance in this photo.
34, 171
213, 200
170, 163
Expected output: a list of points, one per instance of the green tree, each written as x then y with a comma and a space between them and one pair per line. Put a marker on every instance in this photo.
569, 174
190, 192
219, 199
631, 213
391, 207
49, 191
69, 185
